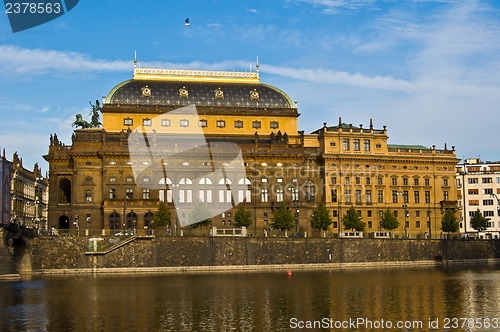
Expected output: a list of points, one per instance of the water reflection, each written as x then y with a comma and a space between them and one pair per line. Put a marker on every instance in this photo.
246, 302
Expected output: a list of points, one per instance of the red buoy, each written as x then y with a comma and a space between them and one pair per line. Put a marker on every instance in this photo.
289, 272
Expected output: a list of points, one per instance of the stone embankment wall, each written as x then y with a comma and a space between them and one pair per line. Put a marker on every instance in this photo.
68, 252
7, 263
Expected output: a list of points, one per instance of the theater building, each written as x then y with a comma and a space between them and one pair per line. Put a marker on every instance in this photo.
225, 138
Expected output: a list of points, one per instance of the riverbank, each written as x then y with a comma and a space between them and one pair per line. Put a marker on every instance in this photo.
80, 254
291, 268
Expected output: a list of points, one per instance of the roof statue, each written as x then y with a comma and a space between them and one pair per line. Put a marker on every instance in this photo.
94, 122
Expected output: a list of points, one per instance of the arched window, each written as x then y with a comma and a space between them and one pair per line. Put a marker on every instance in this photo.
88, 195
205, 192
132, 220
244, 190
114, 220
185, 190
148, 220
309, 191
224, 190
65, 191
165, 183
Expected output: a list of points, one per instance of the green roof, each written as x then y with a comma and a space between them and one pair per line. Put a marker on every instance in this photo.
407, 147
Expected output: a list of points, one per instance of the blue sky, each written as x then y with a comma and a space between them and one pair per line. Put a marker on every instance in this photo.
428, 69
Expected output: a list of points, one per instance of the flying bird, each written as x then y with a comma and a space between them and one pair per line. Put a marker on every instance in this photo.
186, 22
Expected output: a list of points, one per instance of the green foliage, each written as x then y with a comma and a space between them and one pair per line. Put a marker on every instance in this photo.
352, 220
389, 221
320, 218
449, 222
282, 218
479, 222
200, 214
242, 217
161, 217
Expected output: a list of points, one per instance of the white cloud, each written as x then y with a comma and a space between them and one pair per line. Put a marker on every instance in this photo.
336, 6
325, 76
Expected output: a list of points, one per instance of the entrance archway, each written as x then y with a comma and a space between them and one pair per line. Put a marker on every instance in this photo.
63, 222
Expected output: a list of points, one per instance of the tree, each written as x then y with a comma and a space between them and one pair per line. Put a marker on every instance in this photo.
449, 222
389, 221
199, 216
242, 217
161, 217
282, 218
479, 222
352, 220
320, 218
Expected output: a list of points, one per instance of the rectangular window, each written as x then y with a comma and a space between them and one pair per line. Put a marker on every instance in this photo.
345, 144
417, 214
333, 179
394, 196
279, 195
445, 195
147, 122
347, 196
221, 123
427, 196
473, 191
380, 181
128, 122
165, 122
405, 196
238, 124
112, 179
368, 181
356, 145
394, 181
112, 193
487, 202
347, 181
358, 180
202, 123
489, 213
274, 125
472, 180
368, 196
417, 224
295, 195
369, 213
488, 191
415, 182
416, 196
145, 193
405, 182
366, 145
445, 182
487, 180
334, 195
129, 193
256, 124
380, 196
370, 225
357, 195
264, 195
184, 123
426, 182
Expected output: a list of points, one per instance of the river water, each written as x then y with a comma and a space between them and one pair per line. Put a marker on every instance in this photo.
418, 298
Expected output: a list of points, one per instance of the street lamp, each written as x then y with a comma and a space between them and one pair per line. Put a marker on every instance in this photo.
295, 199
498, 203
404, 206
